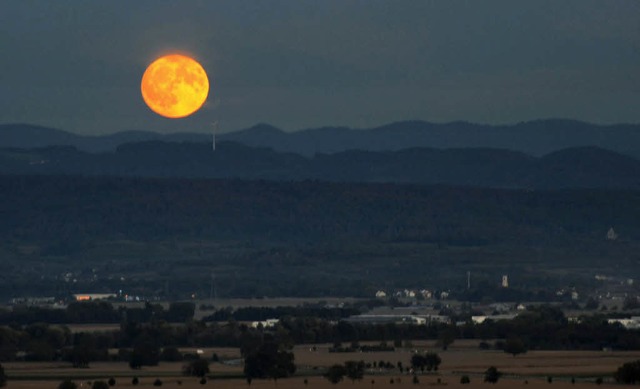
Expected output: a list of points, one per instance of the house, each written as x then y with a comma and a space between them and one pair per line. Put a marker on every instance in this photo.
269, 323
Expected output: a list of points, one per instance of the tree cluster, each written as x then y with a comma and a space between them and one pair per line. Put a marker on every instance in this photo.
269, 360
628, 373
429, 361
354, 370
492, 375
198, 367
98, 312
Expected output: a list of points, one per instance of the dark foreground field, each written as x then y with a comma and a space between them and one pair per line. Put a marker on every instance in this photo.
531, 369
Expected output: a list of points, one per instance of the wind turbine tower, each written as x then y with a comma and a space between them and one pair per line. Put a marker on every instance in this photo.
214, 126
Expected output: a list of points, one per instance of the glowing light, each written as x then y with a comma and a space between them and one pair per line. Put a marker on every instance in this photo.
174, 86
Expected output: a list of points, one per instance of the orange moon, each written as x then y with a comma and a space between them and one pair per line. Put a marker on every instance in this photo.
174, 86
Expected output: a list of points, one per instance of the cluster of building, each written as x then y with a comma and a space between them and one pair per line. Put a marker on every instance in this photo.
428, 294
410, 293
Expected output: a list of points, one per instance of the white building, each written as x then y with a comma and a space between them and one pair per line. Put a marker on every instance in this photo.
481, 319
632, 323
269, 323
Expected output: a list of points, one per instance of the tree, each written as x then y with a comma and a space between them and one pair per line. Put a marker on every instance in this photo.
3, 377
514, 346
99, 385
335, 373
432, 361
171, 354
269, 362
197, 367
418, 362
67, 384
79, 356
354, 370
145, 353
180, 312
629, 373
446, 337
492, 375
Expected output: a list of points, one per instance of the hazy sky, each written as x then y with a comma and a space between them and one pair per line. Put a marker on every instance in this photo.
77, 65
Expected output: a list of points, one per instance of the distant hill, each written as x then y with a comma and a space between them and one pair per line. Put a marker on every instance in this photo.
586, 167
30, 136
537, 137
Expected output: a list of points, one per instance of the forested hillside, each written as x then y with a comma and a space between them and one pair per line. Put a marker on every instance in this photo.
587, 167
257, 235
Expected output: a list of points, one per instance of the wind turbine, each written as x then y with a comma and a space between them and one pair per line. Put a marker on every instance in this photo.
214, 126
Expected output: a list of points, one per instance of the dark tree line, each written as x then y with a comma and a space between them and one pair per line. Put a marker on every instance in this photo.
262, 313
97, 312
145, 343
429, 361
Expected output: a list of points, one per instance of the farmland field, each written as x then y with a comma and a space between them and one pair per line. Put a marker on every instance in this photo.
463, 359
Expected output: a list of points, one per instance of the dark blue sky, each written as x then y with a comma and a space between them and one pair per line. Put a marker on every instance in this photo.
76, 65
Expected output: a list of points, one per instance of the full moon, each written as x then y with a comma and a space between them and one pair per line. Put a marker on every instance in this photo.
174, 86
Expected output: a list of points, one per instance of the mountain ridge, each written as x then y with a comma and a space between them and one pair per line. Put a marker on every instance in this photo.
581, 167
536, 137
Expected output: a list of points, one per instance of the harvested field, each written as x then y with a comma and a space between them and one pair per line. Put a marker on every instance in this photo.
464, 359
474, 361
321, 383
